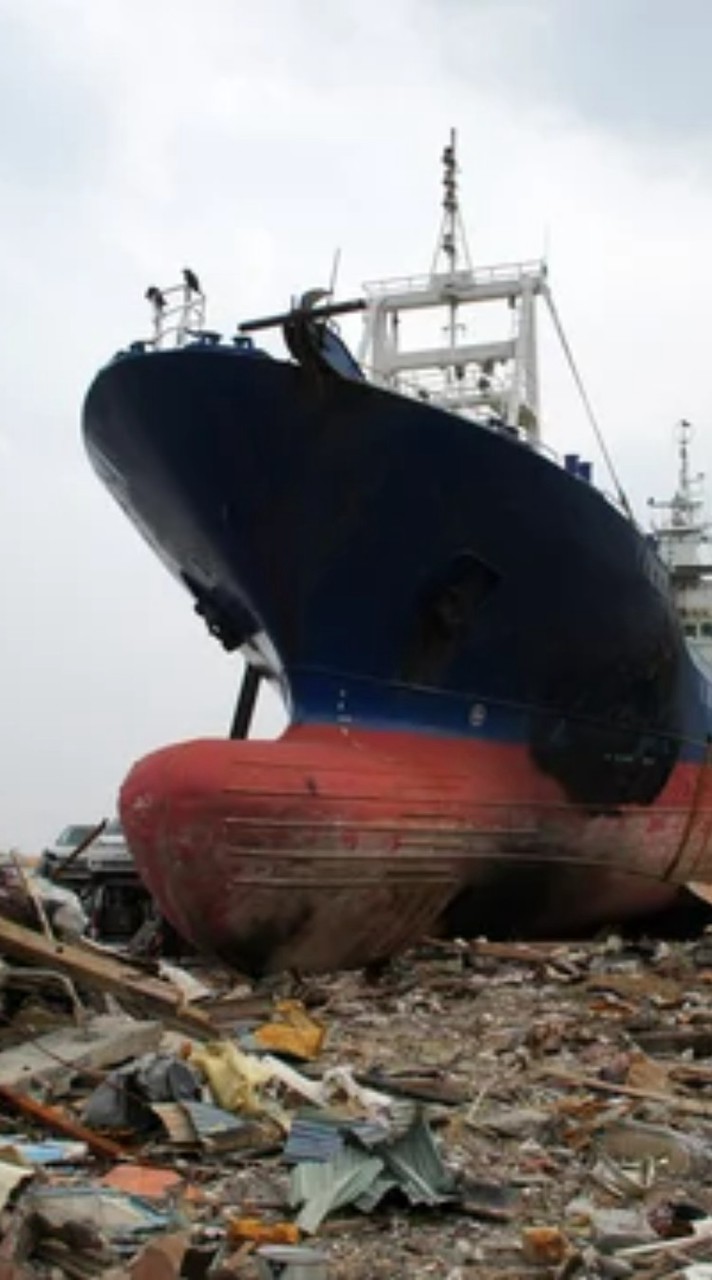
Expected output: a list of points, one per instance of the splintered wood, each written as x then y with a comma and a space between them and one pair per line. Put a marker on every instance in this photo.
102, 971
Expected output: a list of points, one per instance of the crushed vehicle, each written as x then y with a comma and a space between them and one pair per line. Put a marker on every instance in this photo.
101, 872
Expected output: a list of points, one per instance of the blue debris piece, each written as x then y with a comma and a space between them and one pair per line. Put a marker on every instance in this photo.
125, 1220
53, 1151
321, 1188
123, 1100
362, 1176
321, 1136
218, 1128
414, 1163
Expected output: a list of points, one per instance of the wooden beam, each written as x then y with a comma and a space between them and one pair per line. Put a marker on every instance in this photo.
59, 1122
674, 1101
103, 972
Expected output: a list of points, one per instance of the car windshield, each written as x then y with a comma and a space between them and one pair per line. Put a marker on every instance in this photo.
114, 828
72, 836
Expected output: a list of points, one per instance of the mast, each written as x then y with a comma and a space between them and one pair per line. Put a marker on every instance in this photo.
684, 530
495, 382
452, 241
680, 539
685, 491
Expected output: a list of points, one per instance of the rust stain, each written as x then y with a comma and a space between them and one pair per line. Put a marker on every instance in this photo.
324, 850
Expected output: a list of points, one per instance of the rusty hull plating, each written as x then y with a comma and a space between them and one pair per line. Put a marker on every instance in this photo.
338, 847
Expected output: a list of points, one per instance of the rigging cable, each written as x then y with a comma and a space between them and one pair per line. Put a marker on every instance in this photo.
588, 407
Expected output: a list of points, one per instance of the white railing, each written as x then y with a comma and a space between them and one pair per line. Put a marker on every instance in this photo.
463, 398
178, 314
502, 272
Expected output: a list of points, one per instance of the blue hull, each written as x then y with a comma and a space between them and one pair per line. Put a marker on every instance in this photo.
400, 567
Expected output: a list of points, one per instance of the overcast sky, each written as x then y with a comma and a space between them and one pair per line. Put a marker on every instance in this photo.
250, 141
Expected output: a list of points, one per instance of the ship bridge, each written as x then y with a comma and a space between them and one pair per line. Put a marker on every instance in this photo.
681, 538
495, 378
491, 378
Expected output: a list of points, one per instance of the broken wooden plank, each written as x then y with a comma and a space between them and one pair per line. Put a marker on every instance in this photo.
59, 1122
688, 1074
637, 986
675, 1040
54, 1058
533, 953
423, 1088
701, 1234
226, 1013
105, 972
692, 1106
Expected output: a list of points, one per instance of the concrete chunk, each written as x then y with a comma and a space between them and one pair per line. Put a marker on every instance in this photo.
53, 1059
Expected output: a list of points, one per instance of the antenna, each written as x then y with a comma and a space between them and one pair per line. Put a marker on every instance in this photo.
684, 436
684, 528
449, 232
334, 272
685, 505
452, 241
546, 243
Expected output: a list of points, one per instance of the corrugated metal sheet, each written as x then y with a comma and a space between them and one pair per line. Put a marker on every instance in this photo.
355, 1175
321, 1135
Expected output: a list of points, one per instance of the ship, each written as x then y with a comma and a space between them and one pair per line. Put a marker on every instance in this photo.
497, 717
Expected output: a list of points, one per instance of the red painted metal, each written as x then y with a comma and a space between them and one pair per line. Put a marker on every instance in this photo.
336, 846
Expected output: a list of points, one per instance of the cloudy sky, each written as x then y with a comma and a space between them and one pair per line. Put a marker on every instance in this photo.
250, 141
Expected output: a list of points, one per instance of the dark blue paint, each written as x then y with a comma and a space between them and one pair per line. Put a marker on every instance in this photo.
405, 563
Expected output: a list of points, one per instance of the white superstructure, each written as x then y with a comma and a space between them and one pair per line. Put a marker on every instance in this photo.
492, 379
681, 538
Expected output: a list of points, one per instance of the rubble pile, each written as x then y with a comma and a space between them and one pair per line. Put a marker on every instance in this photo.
473, 1110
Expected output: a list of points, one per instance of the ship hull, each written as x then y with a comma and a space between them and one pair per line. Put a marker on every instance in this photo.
337, 847
435, 601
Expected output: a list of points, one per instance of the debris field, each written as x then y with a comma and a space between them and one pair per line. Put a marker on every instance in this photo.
475, 1109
